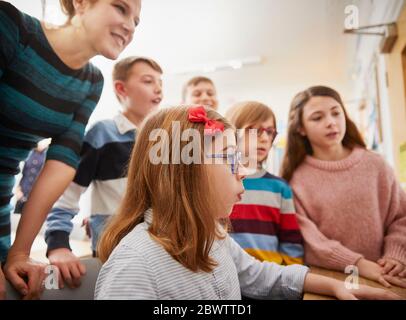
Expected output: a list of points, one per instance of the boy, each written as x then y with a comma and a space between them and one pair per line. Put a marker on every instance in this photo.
264, 223
200, 91
104, 157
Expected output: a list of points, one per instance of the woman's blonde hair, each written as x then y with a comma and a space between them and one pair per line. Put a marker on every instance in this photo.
179, 195
68, 8
298, 146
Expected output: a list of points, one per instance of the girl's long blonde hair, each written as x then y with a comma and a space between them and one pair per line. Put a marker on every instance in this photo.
179, 195
299, 146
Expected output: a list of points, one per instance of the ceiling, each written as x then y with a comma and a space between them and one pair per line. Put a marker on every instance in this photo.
300, 42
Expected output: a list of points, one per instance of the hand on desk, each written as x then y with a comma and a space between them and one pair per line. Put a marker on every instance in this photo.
326, 286
373, 271
69, 266
25, 274
392, 267
365, 293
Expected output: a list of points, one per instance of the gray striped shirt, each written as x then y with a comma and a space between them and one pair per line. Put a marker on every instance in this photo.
140, 268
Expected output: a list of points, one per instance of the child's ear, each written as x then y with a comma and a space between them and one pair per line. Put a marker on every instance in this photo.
120, 88
80, 5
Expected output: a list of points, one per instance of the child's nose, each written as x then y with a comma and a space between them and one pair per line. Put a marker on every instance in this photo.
263, 136
205, 96
158, 88
330, 121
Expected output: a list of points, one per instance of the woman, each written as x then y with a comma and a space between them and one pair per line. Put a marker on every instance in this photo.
48, 88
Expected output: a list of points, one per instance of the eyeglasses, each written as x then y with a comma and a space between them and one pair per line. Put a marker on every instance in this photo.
234, 159
271, 132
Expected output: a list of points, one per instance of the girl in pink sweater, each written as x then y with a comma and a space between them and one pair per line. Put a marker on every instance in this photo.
350, 207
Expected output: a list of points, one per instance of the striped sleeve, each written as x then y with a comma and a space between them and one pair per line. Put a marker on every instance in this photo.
89, 156
59, 221
9, 34
59, 224
290, 237
267, 280
67, 146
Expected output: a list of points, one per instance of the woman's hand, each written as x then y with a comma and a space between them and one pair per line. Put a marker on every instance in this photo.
26, 275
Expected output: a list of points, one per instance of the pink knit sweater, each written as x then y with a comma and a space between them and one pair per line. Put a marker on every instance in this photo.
350, 209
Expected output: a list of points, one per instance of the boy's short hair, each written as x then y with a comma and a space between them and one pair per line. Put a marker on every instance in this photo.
245, 114
122, 68
194, 82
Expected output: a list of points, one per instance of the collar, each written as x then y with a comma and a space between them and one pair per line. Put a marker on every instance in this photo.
257, 174
123, 124
148, 216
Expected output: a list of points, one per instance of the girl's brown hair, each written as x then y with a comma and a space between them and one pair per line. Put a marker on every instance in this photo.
179, 195
299, 146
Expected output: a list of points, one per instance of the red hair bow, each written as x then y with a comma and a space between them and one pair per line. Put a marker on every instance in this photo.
199, 115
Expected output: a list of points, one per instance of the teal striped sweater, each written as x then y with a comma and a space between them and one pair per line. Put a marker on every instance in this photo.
40, 97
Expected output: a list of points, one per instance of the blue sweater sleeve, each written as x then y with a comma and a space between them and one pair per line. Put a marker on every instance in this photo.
9, 34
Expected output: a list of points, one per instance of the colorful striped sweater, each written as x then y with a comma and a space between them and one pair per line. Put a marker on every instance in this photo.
40, 97
264, 222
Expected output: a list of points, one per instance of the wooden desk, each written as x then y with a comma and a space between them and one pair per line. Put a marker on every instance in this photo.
342, 277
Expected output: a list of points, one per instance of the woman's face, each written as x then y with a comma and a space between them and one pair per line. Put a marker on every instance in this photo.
323, 122
109, 25
226, 183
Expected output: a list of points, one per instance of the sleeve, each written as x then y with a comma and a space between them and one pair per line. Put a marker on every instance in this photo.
329, 254
126, 276
25, 172
267, 280
289, 235
395, 224
58, 223
66, 147
9, 34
